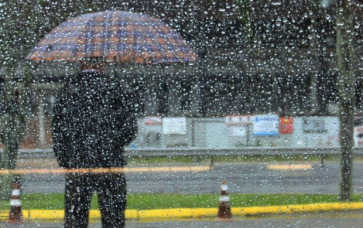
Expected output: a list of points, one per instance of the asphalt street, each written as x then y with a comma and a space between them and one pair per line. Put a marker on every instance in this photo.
275, 177
242, 178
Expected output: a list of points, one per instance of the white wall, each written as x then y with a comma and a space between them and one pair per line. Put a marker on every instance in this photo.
215, 133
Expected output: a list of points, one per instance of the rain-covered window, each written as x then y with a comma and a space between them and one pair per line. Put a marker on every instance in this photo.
181, 113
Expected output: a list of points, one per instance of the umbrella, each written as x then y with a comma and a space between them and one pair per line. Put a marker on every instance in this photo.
115, 35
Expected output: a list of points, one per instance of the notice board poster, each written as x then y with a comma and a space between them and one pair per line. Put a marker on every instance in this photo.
238, 119
153, 120
265, 125
286, 125
237, 131
314, 125
174, 126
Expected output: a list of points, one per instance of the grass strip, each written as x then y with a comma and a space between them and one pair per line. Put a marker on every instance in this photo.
163, 201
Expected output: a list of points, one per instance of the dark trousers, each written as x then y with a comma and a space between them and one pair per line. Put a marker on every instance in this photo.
111, 191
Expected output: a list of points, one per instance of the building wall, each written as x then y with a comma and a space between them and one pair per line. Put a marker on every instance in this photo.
215, 133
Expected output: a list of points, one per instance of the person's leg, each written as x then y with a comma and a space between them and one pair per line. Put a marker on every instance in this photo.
111, 192
77, 200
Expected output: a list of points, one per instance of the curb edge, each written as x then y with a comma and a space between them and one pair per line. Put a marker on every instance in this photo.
182, 213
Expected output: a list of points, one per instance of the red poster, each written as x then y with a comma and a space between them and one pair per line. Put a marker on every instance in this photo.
286, 125
153, 120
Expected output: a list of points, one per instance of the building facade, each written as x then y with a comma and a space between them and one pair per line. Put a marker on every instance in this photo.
256, 57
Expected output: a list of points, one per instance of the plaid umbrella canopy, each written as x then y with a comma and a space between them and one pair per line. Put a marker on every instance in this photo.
115, 35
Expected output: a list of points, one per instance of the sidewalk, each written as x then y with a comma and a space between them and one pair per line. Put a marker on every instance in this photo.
331, 220
193, 213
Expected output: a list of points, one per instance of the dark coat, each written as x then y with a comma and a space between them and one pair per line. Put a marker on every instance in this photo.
93, 120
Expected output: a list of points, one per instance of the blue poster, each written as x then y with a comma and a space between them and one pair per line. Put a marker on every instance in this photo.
266, 125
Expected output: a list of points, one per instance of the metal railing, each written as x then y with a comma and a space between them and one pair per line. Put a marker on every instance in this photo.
173, 152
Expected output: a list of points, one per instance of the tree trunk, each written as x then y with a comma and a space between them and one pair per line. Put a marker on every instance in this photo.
246, 16
16, 103
345, 57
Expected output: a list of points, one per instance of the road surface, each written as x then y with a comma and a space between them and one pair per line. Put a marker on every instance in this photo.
294, 177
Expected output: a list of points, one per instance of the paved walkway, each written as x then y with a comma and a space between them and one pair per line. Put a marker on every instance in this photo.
193, 213
321, 220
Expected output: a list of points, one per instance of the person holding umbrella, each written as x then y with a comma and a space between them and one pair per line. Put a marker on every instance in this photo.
93, 120
94, 117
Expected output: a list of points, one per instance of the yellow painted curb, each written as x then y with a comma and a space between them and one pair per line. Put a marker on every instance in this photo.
4, 213
326, 207
204, 212
43, 214
238, 211
95, 214
308, 207
165, 213
59, 214
131, 214
264, 210
159, 214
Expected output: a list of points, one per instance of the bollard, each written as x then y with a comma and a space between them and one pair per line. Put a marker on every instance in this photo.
224, 210
15, 214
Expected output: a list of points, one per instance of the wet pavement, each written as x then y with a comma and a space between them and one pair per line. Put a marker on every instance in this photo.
331, 220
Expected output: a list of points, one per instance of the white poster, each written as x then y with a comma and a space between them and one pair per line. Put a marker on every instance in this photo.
265, 125
237, 131
238, 119
174, 126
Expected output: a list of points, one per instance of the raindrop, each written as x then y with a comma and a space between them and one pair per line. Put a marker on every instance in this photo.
276, 3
